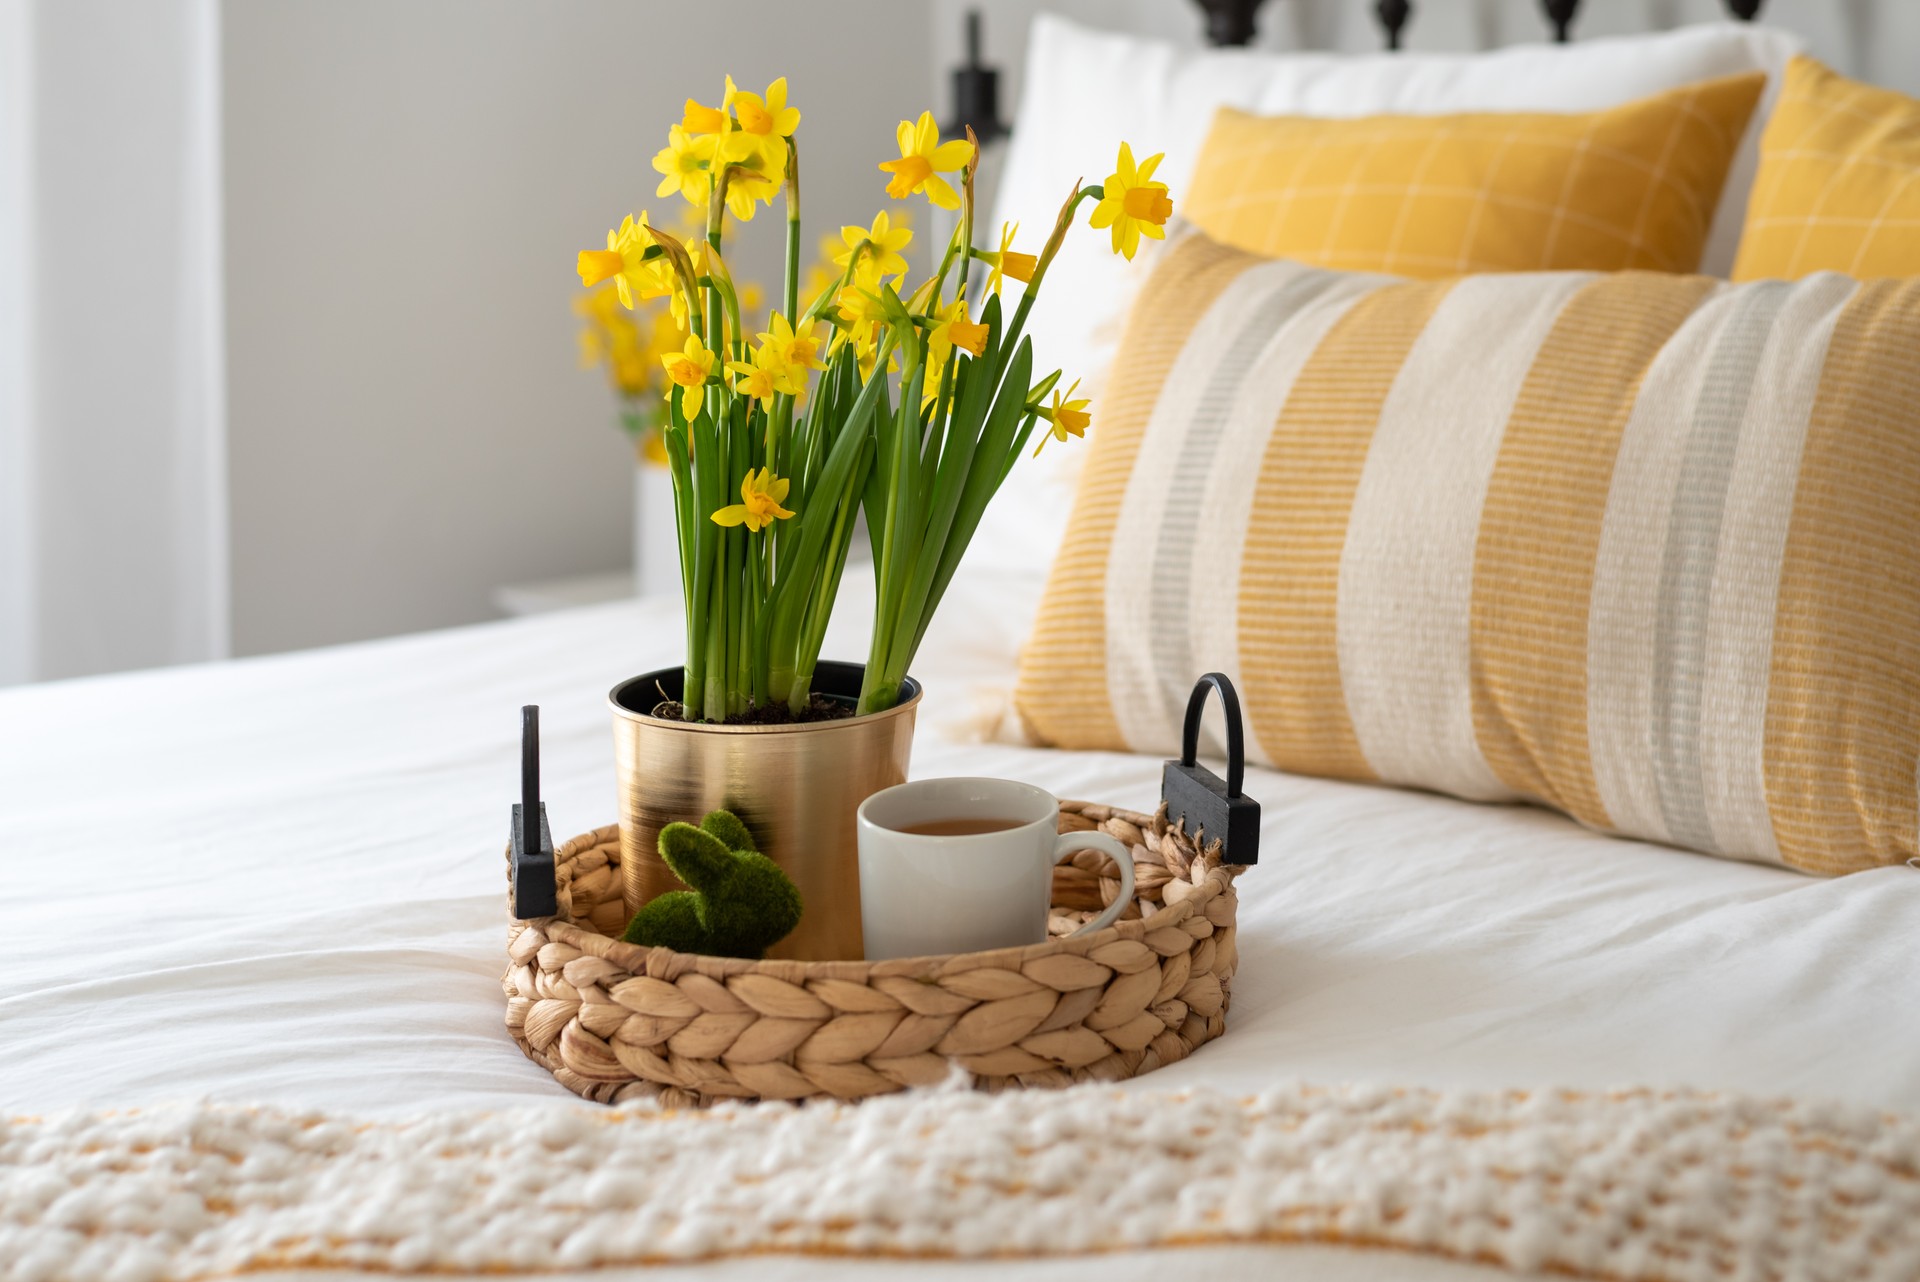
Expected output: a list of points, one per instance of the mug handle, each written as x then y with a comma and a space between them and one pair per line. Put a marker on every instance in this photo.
1068, 843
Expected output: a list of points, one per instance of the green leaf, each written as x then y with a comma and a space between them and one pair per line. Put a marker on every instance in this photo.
983, 481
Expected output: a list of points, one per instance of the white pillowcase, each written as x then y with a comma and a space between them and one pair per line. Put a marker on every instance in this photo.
1087, 90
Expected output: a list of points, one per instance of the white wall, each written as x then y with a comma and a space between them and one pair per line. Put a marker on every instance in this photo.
407, 184
16, 266
112, 548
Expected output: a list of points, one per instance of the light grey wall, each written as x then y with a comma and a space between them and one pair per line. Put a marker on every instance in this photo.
407, 184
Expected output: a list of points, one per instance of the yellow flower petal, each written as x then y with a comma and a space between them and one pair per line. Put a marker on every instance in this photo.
1149, 204
909, 173
703, 120
753, 114
971, 336
596, 265
952, 155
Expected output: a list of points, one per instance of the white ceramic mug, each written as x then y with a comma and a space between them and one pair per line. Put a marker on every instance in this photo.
923, 894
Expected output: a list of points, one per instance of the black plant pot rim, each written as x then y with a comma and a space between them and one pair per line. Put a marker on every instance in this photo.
636, 698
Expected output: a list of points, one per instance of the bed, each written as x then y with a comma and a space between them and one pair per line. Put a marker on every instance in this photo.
214, 869
266, 898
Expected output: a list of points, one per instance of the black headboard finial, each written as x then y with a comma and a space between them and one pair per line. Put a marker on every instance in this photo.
1230, 22
976, 92
1393, 15
1560, 13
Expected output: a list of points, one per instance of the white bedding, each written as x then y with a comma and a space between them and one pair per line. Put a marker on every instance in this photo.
280, 880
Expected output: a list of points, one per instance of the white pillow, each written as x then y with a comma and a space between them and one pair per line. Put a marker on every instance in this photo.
1087, 90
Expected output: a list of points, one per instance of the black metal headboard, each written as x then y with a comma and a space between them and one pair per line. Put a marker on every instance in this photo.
1231, 22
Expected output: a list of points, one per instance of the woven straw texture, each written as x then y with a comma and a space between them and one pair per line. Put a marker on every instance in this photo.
1625, 1186
615, 1022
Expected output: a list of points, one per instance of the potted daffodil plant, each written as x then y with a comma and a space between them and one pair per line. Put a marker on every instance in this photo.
898, 400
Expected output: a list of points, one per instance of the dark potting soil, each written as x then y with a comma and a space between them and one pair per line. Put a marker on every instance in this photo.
773, 714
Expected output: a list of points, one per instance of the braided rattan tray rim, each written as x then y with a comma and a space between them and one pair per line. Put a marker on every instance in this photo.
615, 1022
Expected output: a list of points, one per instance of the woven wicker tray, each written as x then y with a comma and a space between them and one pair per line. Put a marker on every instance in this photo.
616, 1022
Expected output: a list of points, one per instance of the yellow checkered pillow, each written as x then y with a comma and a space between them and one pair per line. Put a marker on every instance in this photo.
1638, 546
1633, 186
1839, 182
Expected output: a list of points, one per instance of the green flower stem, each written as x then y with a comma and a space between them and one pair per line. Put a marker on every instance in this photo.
905, 514
966, 221
792, 291
923, 469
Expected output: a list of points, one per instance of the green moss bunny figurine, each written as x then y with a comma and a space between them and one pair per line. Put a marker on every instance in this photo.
740, 903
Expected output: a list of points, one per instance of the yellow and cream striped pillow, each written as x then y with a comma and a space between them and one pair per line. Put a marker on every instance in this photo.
1644, 548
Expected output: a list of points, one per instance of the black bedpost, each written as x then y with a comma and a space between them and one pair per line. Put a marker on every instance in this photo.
1393, 15
1560, 14
1745, 10
1229, 22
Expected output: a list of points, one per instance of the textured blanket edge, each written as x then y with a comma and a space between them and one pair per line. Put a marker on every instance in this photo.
1630, 1184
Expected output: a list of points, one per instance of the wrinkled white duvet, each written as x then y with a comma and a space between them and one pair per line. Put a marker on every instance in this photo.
280, 881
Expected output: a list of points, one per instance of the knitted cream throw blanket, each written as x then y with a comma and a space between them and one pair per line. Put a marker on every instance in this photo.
1630, 1185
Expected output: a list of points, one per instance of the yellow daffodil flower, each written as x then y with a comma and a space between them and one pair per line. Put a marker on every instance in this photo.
628, 368
760, 133
623, 262
863, 319
1006, 261
697, 119
1132, 204
754, 378
969, 336
611, 338
687, 162
883, 259
861, 306
1069, 418
767, 117
923, 158
666, 334
749, 183
760, 497
688, 370
791, 346
600, 309
954, 330
593, 347
629, 348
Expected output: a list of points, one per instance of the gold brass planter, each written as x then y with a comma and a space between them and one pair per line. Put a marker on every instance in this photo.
795, 786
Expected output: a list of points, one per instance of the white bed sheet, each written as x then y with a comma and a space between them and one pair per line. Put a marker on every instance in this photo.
280, 880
